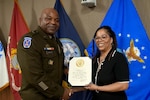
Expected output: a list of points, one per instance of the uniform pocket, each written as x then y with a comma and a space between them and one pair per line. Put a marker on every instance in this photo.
48, 60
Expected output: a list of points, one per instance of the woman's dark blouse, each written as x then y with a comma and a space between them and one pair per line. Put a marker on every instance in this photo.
113, 69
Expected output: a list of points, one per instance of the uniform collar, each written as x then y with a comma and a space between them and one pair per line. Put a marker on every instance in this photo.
44, 35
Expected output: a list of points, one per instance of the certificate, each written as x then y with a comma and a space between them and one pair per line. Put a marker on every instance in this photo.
80, 71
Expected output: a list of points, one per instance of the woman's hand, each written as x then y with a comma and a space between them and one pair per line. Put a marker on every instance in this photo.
91, 86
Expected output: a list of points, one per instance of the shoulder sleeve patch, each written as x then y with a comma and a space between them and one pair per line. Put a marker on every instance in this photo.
27, 42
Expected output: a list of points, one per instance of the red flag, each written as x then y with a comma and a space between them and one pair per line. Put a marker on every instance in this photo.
17, 29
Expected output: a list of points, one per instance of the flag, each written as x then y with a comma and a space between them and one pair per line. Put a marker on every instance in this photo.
132, 39
3, 69
92, 49
68, 35
72, 44
17, 29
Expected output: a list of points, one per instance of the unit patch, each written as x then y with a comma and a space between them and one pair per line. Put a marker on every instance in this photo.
27, 42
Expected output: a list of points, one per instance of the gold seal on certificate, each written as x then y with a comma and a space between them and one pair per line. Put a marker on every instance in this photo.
80, 71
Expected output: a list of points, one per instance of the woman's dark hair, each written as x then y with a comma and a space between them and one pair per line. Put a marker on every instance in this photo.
111, 33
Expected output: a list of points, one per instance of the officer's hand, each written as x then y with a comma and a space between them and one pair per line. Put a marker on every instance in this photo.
67, 94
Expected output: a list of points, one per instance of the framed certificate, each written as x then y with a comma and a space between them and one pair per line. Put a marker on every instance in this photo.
80, 71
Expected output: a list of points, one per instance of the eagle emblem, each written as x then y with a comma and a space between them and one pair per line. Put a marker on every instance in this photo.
133, 53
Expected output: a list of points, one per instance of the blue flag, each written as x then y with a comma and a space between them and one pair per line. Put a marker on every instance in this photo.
132, 39
92, 49
68, 35
72, 44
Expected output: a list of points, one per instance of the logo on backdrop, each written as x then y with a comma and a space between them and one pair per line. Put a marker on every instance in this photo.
70, 48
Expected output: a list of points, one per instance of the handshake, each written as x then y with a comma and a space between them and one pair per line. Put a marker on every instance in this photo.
68, 90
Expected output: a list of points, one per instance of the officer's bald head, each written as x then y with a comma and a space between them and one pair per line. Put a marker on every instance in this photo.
49, 10
49, 20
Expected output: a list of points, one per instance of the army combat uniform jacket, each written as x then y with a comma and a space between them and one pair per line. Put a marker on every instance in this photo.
41, 58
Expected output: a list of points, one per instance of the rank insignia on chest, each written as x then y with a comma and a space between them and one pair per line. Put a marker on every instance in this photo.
27, 42
50, 62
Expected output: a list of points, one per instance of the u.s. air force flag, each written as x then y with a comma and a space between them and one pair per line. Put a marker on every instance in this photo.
72, 44
92, 49
133, 41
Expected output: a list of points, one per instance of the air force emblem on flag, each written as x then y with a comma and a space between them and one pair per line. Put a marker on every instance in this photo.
27, 42
70, 48
133, 53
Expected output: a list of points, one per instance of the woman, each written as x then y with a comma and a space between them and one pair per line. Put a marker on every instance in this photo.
110, 68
